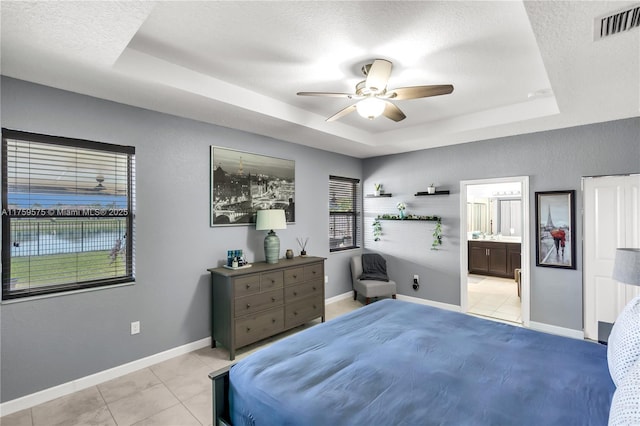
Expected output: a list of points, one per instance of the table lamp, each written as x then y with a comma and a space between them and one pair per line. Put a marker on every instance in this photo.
270, 220
626, 267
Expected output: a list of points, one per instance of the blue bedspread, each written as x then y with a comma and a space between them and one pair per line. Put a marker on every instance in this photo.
394, 362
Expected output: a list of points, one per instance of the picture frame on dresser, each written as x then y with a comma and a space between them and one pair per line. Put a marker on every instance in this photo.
555, 229
243, 183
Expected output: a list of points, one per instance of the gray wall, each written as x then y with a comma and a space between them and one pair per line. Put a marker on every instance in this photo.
553, 160
54, 340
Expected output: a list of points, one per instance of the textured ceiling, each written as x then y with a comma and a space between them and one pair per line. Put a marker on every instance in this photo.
239, 64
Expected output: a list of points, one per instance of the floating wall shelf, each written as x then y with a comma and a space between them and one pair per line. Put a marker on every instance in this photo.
410, 217
377, 196
420, 194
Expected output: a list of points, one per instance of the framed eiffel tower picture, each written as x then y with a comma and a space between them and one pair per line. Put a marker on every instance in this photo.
555, 229
243, 183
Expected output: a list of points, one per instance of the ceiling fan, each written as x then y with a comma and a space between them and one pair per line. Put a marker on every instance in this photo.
375, 96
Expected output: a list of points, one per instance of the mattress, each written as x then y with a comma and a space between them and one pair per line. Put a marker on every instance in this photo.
394, 362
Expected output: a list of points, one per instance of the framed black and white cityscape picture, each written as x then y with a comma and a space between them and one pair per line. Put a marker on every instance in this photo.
243, 183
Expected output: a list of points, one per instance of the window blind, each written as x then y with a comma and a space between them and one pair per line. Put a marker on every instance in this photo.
345, 206
67, 214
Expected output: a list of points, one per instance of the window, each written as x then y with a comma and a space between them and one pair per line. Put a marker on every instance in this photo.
67, 214
344, 213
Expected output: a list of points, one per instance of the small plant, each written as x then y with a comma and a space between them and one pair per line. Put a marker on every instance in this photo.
377, 229
437, 236
377, 186
401, 206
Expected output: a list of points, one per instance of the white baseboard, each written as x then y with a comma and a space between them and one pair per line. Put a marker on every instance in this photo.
339, 297
49, 394
428, 302
554, 329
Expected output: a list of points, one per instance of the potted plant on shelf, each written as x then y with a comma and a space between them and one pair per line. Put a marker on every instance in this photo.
401, 208
378, 189
431, 189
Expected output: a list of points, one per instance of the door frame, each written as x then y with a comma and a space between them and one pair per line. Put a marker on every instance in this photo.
524, 246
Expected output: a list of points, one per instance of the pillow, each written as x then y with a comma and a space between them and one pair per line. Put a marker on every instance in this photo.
623, 348
625, 405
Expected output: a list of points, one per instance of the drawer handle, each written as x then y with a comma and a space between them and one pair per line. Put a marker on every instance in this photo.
295, 313
295, 276
273, 320
273, 281
248, 286
273, 299
315, 307
248, 329
313, 272
295, 294
314, 289
248, 306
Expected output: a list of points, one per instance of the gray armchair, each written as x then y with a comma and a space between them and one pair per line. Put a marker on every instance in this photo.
369, 288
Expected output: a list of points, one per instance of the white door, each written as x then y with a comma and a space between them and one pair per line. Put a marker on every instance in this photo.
611, 220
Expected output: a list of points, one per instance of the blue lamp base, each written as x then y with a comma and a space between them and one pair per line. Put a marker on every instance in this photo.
271, 247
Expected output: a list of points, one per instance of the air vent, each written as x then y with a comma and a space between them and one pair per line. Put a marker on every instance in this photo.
616, 22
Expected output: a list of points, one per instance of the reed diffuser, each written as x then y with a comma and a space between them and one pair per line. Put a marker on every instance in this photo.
303, 246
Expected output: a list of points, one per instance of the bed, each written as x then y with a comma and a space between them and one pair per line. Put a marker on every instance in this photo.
395, 362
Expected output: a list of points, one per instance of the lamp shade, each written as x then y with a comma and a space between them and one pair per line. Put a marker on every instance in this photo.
270, 219
626, 267
370, 108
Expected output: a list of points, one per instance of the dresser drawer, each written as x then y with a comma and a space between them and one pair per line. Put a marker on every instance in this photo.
257, 302
246, 285
258, 327
298, 291
294, 275
313, 271
302, 311
271, 280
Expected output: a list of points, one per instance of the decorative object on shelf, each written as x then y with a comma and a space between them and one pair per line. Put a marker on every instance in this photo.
270, 220
303, 246
555, 229
437, 236
378, 189
401, 208
377, 229
241, 181
431, 189
289, 254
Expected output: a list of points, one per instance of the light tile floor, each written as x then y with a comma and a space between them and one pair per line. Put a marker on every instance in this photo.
494, 297
176, 392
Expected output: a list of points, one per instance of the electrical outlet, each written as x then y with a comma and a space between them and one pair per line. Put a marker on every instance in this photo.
416, 282
135, 327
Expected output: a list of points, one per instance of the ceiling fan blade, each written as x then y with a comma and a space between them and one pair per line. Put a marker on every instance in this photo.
378, 75
342, 113
393, 112
328, 94
415, 92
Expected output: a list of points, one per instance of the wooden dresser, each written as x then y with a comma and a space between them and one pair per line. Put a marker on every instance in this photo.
254, 303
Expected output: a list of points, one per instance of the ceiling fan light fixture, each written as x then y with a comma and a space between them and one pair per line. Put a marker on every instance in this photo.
370, 108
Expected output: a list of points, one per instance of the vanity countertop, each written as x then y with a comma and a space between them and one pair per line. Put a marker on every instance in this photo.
498, 239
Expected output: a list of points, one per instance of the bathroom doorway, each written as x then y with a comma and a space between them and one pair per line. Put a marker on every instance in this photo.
494, 249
